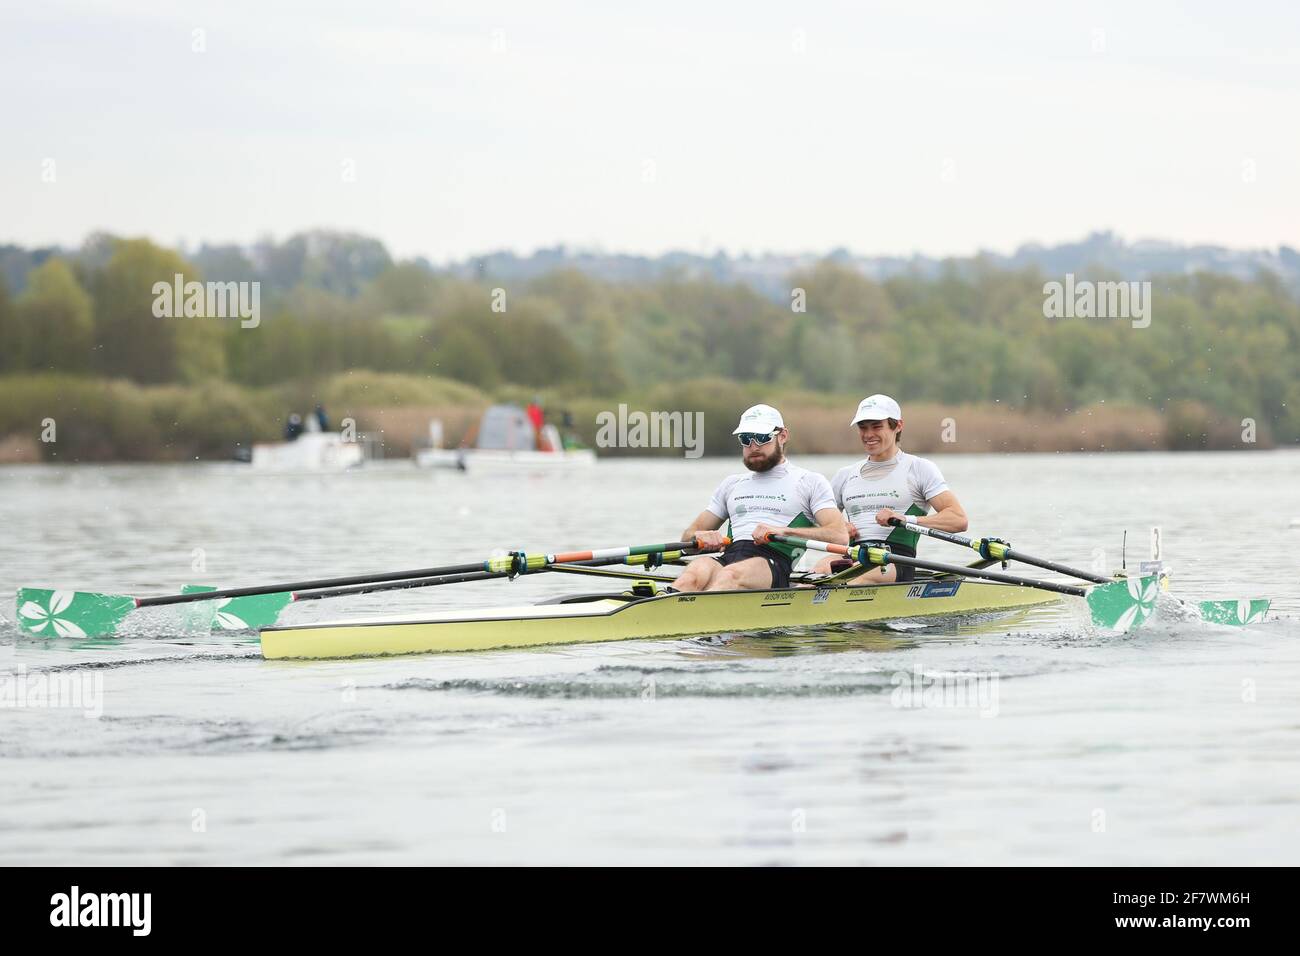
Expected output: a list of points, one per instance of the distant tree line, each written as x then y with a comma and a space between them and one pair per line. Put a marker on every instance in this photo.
965, 336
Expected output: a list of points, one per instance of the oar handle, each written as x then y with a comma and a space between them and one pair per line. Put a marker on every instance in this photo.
990, 549
995, 549
882, 556
944, 535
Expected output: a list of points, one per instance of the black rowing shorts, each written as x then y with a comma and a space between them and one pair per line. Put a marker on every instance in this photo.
778, 563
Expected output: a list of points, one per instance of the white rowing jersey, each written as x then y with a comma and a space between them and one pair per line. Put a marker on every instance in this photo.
787, 496
905, 483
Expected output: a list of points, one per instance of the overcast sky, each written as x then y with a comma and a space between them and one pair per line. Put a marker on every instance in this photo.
449, 128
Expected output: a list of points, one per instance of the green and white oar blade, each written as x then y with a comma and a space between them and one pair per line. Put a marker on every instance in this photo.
248, 613
1237, 613
48, 612
1124, 604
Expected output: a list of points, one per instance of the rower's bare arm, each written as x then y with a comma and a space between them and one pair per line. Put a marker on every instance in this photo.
831, 528
705, 527
949, 515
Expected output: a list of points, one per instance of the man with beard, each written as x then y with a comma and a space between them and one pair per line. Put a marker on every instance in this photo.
772, 497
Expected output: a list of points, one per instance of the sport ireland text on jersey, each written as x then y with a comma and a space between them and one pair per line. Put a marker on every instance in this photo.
787, 496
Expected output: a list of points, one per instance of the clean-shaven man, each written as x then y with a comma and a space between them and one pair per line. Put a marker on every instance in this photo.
890, 483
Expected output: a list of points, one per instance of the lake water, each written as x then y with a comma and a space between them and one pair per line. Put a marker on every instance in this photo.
1177, 744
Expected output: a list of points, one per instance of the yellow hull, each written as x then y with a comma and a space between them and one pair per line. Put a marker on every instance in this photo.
620, 618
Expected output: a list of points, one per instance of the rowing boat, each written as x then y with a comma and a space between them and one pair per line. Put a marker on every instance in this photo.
309, 452
940, 590
505, 441
620, 617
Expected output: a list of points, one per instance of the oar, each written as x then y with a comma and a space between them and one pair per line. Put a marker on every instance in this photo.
995, 549
431, 582
1117, 605
612, 573
1235, 612
58, 613
588, 566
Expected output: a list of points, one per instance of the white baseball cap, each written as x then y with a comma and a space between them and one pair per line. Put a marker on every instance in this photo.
877, 408
760, 419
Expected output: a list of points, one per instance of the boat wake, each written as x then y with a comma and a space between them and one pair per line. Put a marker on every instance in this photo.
815, 677
651, 686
